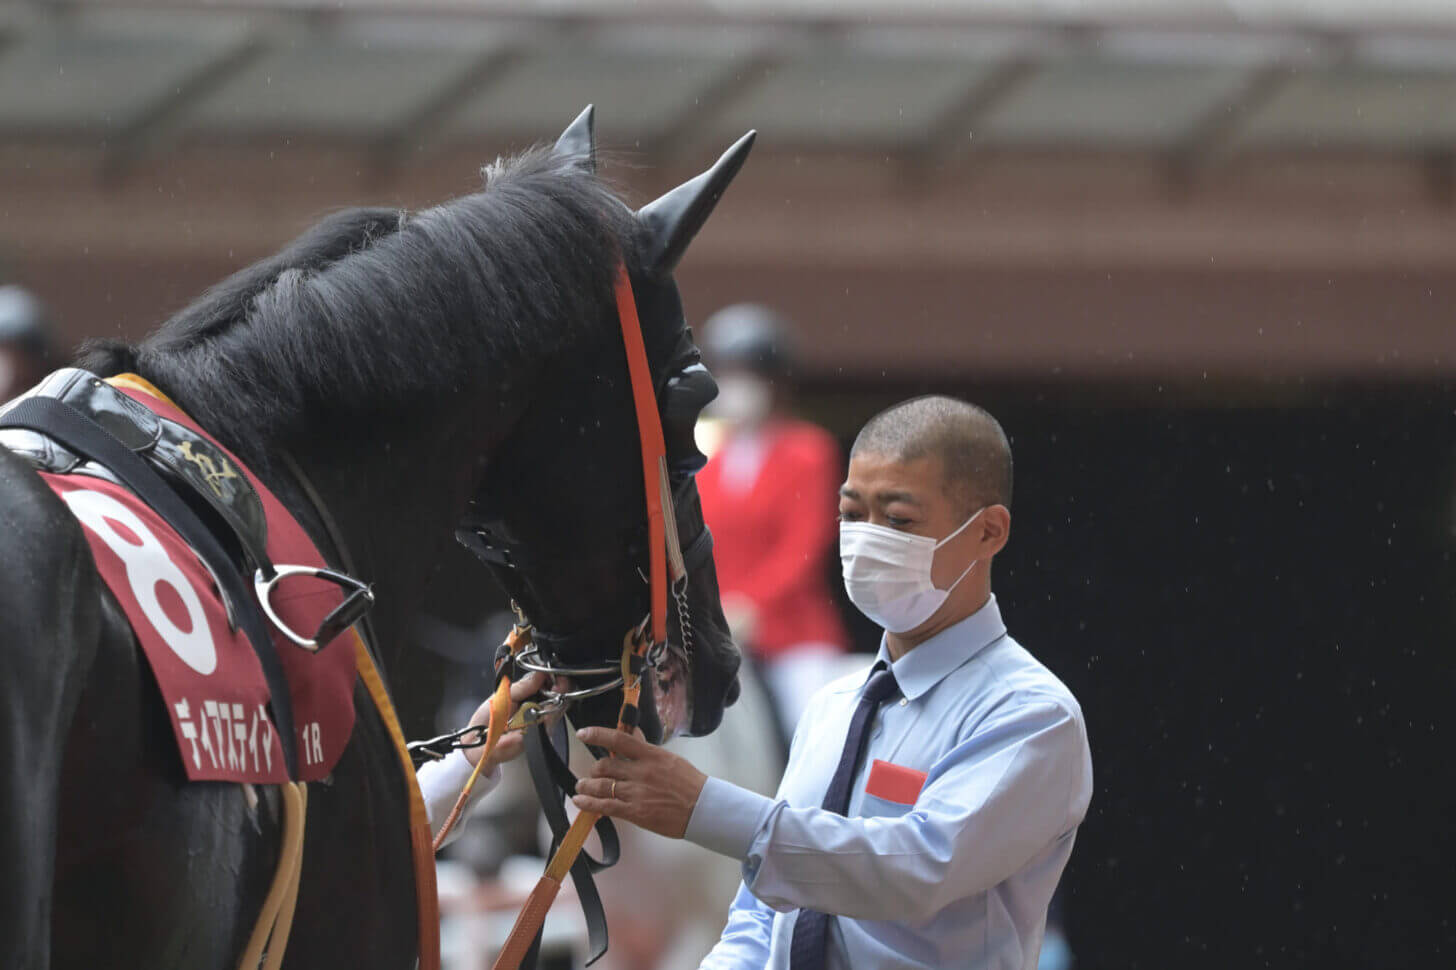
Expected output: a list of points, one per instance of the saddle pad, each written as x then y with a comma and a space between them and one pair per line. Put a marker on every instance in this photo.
209, 676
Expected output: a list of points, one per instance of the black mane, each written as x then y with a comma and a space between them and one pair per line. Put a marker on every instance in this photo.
379, 310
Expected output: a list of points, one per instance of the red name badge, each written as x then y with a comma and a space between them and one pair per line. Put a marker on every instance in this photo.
894, 783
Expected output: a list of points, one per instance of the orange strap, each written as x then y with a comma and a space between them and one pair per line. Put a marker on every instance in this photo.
649, 433
654, 479
500, 713
427, 900
533, 914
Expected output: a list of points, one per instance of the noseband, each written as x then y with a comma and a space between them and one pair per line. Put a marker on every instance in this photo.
543, 651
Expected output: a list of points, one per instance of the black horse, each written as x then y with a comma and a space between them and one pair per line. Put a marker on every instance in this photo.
460, 361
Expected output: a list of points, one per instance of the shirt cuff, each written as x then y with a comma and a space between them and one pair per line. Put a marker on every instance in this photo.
442, 781
727, 818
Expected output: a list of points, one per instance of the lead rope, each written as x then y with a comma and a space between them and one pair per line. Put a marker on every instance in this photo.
533, 913
500, 712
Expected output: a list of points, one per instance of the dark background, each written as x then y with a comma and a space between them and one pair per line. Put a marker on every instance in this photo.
1253, 603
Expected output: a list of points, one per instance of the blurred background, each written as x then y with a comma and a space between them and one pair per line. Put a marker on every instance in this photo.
1196, 256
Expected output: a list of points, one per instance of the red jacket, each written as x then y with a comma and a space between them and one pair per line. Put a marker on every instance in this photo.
773, 530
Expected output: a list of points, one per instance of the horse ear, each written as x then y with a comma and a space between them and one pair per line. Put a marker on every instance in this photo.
579, 140
683, 399
675, 218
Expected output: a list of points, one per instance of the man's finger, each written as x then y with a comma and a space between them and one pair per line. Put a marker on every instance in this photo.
608, 788
507, 748
527, 686
627, 745
618, 768
601, 806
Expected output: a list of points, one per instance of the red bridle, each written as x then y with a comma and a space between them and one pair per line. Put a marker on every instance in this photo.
664, 552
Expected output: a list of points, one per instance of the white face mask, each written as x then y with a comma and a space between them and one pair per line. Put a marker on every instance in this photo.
741, 399
887, 573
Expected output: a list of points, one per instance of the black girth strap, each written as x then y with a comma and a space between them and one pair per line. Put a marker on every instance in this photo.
554, 784
90, 440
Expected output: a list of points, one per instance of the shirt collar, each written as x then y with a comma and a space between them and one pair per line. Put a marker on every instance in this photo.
930, 662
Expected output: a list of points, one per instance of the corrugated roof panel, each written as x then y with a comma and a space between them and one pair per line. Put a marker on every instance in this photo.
839, 97
639, 88
1357, 106
360, 83
1122, 104
99, 74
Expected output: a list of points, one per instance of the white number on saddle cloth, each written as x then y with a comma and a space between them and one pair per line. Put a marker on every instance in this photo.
148, 566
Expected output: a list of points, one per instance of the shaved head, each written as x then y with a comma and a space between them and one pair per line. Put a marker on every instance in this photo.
974, 452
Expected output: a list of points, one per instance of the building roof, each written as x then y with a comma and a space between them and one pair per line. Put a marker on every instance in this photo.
131, 77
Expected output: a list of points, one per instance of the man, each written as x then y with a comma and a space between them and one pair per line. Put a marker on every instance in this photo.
767, 493
937, 838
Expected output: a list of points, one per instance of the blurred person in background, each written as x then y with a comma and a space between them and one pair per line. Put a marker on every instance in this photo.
767, 494
24, 341
937, 839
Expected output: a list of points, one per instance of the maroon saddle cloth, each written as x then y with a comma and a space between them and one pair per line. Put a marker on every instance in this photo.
209, 676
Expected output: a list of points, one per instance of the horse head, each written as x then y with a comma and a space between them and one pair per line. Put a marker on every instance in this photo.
565, 530
464, 365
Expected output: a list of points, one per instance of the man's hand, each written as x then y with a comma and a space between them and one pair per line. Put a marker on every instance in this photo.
509, 746
644, 785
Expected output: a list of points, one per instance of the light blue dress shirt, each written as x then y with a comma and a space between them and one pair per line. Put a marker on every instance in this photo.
962, 877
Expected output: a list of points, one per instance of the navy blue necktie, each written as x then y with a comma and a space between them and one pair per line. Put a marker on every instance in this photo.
811, 929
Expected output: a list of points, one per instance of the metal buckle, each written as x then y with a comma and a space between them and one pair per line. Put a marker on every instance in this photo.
530, 658
531, 713
356, 603
436, 749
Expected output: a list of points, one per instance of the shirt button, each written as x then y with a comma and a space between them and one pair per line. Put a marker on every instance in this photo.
904, 701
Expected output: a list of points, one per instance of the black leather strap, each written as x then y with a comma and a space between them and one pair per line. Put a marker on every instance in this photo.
554, 783
555, 780
86, 438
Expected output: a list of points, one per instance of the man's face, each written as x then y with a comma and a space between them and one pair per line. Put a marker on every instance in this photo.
909, 496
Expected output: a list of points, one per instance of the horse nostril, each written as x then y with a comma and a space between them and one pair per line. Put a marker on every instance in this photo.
734, 688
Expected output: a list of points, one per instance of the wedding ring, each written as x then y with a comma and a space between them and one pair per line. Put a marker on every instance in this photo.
614, 789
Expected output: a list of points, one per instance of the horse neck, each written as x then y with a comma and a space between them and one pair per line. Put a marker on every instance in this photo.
393, 503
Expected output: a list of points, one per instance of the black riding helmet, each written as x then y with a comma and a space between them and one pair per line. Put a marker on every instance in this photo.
23, 321
751, 337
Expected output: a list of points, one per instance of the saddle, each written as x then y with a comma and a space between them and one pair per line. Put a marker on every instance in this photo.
166, 507
176, 524
189, 459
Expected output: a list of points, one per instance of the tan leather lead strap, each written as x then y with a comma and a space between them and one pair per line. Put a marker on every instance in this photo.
533, 914
283, 892
295, 795
500, 712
